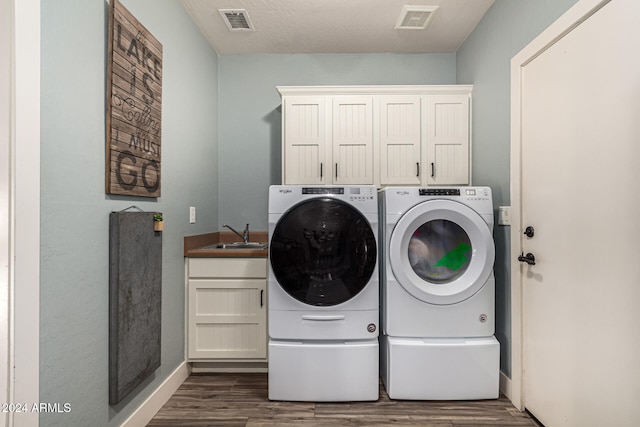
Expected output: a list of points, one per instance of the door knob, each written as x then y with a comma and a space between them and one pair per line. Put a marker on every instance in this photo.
528, 258
529, 231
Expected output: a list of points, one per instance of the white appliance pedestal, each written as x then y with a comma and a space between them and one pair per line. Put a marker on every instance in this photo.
440, 369
323, 371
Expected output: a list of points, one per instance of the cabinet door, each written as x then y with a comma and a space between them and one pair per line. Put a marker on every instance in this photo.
352, 140
400, 140
447, 133
227, 319
305, 140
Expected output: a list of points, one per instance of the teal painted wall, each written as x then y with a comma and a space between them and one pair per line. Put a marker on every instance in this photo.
484, 60
74, 317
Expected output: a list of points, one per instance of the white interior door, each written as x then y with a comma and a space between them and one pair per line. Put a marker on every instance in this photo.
579, 190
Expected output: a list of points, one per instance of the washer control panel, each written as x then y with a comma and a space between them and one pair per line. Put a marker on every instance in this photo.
361, 194
322, 190
353, 194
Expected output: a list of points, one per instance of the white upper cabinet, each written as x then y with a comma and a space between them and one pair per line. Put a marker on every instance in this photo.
380, 135
400, 162
446, 126
305, 140
352, 140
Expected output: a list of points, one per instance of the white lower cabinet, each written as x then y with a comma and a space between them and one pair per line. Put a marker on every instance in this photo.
227, 309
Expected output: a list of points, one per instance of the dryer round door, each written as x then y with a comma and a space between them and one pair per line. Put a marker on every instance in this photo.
323, 252
441, 252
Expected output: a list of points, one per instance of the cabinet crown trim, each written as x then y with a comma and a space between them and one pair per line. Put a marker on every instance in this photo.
375, 90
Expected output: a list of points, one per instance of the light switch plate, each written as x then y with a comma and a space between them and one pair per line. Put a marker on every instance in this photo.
504, 215
192, 215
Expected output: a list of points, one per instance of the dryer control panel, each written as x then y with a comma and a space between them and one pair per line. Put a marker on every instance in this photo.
471, 193
479, 193
439, 191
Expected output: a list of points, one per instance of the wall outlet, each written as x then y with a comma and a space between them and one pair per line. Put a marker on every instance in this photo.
192, 215
504, 215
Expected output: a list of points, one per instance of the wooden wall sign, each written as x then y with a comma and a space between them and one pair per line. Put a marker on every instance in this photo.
134, 101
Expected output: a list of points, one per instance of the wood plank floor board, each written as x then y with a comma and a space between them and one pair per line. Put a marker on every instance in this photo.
241, 400
337, 422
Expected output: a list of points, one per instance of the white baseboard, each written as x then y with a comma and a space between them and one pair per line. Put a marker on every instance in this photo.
505, 385
228, 366
158, 398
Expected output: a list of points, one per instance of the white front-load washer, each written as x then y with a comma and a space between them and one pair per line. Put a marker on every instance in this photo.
438, 293
323, 308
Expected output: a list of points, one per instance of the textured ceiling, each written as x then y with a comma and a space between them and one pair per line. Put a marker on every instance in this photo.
335, 26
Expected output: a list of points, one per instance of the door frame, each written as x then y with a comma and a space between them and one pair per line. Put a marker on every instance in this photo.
20, 208
580, 12
5, 197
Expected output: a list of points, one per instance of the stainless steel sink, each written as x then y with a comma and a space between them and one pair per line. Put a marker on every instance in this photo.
238, 245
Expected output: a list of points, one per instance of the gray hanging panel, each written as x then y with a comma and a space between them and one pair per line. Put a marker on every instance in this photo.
135, 289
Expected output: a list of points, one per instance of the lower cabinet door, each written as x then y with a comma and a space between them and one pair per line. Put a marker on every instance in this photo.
227, 319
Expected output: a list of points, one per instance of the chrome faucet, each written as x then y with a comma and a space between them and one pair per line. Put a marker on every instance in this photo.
245, 234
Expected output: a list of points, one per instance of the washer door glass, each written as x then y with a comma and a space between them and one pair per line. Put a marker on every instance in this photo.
441, 252
323, 252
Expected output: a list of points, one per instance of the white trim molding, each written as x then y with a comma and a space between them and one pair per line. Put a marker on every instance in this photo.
6, 219
24, 239
375, 90
505, 385
150, 407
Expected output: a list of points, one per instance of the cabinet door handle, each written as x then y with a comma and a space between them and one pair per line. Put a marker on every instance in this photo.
336, 171
417, 169
433, 169
261, 297
320, 170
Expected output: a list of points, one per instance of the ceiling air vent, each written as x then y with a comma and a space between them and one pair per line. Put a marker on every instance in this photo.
415, 17
236, 19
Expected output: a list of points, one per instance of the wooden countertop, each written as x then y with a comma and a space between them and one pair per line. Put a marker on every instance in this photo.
193, 245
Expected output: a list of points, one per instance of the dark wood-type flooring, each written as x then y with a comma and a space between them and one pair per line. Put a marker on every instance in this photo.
240, 400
